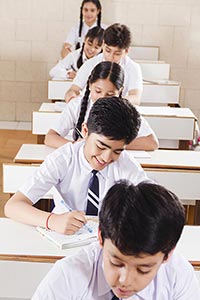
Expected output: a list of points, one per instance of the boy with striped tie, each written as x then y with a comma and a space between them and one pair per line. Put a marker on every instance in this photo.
112, 124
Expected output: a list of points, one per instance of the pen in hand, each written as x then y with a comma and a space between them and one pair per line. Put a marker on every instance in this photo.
70, 209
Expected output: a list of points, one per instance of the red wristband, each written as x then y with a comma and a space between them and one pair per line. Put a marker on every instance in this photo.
47, 221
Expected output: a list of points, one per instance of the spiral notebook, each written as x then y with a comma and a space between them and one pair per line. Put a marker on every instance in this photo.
81, 237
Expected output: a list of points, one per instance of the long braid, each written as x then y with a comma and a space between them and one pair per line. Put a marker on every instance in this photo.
80, 28
99, 19
84, 104
80, 59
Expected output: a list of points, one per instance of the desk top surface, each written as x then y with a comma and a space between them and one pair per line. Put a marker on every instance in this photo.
148, 111
24, 243
173, 159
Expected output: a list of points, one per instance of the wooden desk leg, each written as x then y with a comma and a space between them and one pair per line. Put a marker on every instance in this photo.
183, 145
40, 139
197, 213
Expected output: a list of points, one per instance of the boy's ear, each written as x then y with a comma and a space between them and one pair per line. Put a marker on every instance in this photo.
100, 238
84, 129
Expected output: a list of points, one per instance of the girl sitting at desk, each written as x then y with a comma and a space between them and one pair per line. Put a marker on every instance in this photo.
90, 16
68, 66
106, 79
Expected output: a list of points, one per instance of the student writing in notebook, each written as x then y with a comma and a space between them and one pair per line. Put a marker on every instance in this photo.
67, 67
82, 172
135, 258
90, 16
117, 40
105, 80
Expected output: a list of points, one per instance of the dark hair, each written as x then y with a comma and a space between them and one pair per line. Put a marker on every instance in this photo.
98, 6
117, 35
103, 70
146, 218
115, 118
92, 34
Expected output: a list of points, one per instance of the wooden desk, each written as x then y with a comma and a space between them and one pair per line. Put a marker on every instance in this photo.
144, 52
170, 124
25, 258
154, 70
163, 92
58, 88
23, 251
166, 92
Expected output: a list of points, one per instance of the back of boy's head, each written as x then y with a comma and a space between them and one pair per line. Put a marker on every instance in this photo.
115, 118
117, 35
146, 218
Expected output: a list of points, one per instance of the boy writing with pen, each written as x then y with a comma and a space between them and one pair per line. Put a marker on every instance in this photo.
135, 257
82, 172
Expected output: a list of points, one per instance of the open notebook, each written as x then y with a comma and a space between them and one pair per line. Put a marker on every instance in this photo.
81, 237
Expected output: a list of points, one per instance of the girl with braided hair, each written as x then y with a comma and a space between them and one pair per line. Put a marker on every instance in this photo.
68, 66
90, 16
105, 80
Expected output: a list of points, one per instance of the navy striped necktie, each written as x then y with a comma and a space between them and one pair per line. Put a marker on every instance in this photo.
115, 298
93, 195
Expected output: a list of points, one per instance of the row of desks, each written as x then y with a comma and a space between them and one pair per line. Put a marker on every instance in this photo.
170, 124
177, 170
158, 92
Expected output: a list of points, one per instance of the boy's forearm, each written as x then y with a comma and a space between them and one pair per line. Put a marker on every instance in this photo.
21, 209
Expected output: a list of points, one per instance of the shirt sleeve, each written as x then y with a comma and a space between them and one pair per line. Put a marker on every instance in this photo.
68, 117
72, 37
49, 174
59, 71
134, 75
145, 128
83, 73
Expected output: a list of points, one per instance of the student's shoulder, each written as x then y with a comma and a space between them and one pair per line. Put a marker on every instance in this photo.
81, 265
128, 62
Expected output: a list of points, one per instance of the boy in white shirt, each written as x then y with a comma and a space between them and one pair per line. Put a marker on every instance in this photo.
112, 123
117, 40
139, 227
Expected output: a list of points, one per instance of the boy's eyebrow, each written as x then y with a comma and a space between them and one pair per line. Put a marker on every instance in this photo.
107, 146
139, 265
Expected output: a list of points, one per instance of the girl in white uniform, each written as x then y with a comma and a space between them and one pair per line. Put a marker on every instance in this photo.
90, 16
106, 80
67, 67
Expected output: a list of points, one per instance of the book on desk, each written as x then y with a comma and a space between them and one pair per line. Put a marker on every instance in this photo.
80, 238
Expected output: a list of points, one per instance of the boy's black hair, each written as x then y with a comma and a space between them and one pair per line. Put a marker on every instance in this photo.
146, 218
117, 35
115, 118
104, 70
98, 6
92, 34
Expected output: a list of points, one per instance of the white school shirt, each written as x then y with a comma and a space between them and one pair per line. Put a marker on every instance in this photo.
68, 170
68, 63
81, 276
73, 36
132, 73
70, 114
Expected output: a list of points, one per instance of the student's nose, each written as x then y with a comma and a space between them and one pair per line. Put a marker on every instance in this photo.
107, 156
126, 277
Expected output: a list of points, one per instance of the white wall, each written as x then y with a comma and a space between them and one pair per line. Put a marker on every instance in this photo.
32, 32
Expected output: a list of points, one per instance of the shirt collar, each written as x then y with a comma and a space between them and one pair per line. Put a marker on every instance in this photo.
103, 287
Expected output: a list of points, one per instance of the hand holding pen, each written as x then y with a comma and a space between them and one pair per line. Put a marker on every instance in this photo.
70, 210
